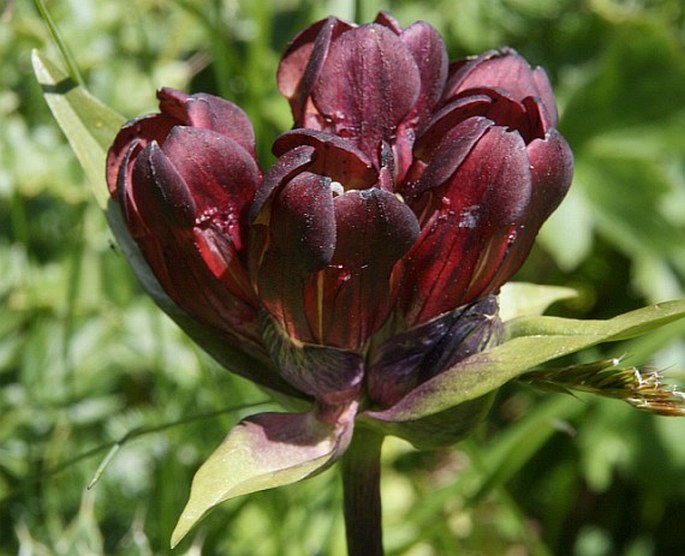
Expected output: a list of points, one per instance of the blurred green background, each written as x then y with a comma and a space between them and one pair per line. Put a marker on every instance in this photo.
85, 357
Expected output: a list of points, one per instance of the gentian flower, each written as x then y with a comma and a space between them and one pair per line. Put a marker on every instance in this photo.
367, 260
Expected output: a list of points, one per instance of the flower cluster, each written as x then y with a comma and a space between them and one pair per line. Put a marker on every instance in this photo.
366, 260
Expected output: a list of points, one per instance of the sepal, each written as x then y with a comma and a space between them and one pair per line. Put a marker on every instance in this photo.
331, 375
530, 341
434, 431
408, 359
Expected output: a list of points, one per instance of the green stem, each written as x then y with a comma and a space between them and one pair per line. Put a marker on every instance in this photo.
364, 11
67, 57
361, 474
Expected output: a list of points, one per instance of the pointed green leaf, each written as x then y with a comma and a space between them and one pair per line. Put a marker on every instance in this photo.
262, 452
90, 125
622, 327
531, 342
521, 299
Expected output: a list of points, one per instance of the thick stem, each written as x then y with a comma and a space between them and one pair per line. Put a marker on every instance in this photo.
364, 11
361, 474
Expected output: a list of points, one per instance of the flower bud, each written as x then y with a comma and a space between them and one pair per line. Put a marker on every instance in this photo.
185, 179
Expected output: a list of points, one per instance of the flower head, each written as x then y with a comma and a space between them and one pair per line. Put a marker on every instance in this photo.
366, 260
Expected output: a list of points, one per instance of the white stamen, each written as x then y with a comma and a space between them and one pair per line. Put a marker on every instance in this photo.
337, 188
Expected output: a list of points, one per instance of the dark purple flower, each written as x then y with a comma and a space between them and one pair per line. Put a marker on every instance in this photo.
366, 260
471, 148
185, 179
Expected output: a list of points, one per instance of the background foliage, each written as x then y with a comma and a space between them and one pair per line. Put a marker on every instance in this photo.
86, 359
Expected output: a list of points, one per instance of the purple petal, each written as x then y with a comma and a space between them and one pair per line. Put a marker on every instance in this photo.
544, 89
139, 132
148, 224
466, 235
173, 103
178, 109
165, 207
222, 175
162, 195
503, 69
430, 54
367, 86
445, 157
210, 112
221, 178
330, 375
334, 157
299, 240
302, 62
302, 222
373, 231
527, 117
448, 118
192, 195
387, 20
242, 357
551, 163
286, 167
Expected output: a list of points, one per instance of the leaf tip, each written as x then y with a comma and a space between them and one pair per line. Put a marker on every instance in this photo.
195, 509
180, 531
